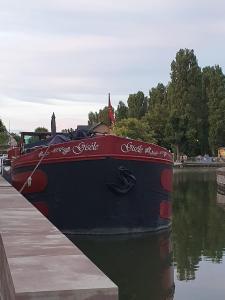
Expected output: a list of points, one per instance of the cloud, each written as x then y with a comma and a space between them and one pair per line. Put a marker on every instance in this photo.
80, 50
28, 116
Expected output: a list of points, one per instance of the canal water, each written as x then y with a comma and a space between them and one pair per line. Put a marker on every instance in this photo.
187, 262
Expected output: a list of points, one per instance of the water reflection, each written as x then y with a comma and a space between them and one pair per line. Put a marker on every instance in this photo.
198, 230
220, 198
141, 265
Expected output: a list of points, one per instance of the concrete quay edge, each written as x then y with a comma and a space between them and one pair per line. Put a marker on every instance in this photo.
38, 262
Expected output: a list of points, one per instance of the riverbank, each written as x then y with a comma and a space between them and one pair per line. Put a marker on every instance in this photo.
199, 164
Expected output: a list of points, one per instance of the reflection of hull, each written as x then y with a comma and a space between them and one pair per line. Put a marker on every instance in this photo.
141, 266
113, 193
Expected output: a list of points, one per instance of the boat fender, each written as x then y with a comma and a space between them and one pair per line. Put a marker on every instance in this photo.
126, 181
29, 181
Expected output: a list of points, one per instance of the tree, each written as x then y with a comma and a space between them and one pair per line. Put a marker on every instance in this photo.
175, 132
41, 129
157, 115
157, 95
67, 130
186, 102
137, 105
121, 112
93, 118
3, 134
186, 115
103, 115
135, 129
15, 136
214, 93
34, 139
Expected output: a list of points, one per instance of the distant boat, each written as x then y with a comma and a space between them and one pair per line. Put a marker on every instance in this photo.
86, 182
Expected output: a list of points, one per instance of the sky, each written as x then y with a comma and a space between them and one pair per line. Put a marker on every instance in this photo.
65, 56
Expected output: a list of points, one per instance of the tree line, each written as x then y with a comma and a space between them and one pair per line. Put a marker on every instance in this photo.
187, 115
3, 134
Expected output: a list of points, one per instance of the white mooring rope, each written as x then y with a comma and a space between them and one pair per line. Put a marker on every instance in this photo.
28, 181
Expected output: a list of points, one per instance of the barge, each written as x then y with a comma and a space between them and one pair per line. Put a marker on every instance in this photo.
97, 184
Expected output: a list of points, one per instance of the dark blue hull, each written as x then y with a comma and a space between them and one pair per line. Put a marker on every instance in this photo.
104, 196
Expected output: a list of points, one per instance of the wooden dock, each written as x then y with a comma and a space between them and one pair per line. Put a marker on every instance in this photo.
38, 262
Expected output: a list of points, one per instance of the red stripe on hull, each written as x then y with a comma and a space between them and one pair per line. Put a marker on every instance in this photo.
38, 183
42, 207
92, 157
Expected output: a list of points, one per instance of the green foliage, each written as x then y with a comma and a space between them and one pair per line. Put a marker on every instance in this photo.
101, 116
93, 118
67, 130
121, 112
41, 129
137, 105
187, 115
3, 134
2, 127
34, 139
214, 92
175, 132
157, 96
186, 102
134, 129
3, 139
15, 136
157, 114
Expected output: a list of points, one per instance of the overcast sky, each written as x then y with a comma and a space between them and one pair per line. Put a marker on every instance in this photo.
66, 55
